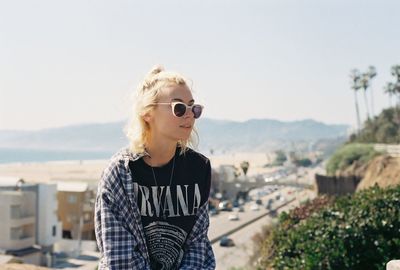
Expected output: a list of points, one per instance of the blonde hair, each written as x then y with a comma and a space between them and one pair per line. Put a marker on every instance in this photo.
137, 130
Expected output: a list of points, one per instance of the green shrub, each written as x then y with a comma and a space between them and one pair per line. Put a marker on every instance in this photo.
348, 154
384, 128
361, 231
303, 162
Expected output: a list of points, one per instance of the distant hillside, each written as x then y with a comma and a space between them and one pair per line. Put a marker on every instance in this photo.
264, 134
89, 137
224, 136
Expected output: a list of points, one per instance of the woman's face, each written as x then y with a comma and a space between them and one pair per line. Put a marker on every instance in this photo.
163, 122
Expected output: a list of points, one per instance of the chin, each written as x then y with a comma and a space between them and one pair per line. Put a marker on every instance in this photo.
183, 138
185, 133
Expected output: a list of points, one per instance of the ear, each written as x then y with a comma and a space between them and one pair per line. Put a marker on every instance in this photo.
147, 117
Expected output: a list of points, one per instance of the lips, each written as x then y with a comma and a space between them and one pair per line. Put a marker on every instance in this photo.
185, 126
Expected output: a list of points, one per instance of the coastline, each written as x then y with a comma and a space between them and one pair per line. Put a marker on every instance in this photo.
90, 170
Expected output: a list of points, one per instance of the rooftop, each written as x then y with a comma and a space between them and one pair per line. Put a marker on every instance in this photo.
7, 181
72, 186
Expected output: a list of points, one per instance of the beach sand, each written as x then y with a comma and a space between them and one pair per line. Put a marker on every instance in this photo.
90, 171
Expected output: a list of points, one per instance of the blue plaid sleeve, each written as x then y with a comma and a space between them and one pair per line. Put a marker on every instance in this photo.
199, 253
117, 243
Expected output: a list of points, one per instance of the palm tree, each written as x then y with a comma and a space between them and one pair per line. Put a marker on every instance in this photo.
245, 166
371, 75
396, 86
355, 85
393, 89
364, 81
397, 91
396, 71
389, 89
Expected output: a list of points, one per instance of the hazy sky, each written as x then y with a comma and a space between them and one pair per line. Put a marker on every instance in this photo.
72, 62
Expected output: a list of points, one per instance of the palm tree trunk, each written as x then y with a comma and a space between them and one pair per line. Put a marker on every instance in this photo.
372, 102
397, 110
398, 102
357, 112
366, 102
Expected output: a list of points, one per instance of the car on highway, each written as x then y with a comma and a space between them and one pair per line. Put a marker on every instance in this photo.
254, 207
225, 206
240, 208
233, 216
213, 211
235, 203
226, 242
269, 204
273, 213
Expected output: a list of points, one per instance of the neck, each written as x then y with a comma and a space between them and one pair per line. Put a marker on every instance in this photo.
160, 153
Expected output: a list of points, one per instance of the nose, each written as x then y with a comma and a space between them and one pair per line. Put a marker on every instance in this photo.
189, 113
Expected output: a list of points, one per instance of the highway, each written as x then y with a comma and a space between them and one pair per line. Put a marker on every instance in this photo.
220, 225
239, 255
250, 222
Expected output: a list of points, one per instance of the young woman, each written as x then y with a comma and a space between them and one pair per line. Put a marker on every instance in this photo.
152, 203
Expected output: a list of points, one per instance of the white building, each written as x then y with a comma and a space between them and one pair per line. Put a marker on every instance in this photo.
47, 229
227, 173
18, 225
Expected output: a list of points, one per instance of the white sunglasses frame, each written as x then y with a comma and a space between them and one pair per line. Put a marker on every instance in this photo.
173, 103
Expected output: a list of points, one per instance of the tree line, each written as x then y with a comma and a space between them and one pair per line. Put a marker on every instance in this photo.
362, 81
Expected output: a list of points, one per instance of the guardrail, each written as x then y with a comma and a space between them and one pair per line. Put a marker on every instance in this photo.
391, 149
289, 184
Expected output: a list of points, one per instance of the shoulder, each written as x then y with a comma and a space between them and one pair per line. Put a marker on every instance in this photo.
195, 156
115, 163
116, 170
121, 158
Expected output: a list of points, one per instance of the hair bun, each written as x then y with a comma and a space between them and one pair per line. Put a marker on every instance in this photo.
155, 70
149, 80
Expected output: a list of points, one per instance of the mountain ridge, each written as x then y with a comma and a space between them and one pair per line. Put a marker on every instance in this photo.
224, 135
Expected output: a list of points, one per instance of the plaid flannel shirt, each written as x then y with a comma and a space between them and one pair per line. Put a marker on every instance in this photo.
119, 231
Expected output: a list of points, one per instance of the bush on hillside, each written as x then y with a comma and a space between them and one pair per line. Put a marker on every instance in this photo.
303, 162
361, 231
280, 158
384, 128
348, 154
286, 222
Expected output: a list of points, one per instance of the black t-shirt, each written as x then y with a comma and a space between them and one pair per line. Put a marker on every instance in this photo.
167, 210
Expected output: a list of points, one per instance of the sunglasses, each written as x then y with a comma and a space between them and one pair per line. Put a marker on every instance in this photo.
179, 108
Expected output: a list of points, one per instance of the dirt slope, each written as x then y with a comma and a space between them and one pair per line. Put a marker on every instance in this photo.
383, 170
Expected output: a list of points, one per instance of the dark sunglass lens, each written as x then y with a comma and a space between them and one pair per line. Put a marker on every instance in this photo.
179, 109
197, 110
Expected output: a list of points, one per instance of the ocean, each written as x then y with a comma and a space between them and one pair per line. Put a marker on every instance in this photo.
12, 155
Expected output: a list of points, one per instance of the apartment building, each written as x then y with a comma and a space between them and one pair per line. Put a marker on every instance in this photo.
76, 210
47, 229
18, 225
